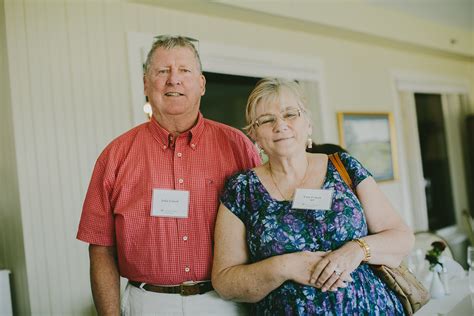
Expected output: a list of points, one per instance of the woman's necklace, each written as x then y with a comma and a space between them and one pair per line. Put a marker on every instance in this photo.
293, 191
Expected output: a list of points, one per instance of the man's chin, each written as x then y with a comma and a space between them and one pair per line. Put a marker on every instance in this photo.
179, 111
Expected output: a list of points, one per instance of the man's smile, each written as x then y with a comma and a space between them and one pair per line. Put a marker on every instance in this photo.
173, 94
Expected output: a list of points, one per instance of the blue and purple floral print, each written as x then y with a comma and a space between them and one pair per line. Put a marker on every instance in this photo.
274, 228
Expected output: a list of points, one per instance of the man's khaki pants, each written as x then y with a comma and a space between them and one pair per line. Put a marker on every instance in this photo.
136, 302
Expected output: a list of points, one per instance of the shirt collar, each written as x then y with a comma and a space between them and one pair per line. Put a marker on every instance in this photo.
164, 137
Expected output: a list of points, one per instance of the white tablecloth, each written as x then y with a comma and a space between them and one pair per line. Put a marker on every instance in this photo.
458, 303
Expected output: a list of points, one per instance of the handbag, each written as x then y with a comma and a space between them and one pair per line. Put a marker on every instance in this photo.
411, 293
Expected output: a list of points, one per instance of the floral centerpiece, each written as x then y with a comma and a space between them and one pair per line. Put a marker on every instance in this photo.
433, 256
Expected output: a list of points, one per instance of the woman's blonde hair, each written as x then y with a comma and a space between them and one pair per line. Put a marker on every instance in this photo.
268, 90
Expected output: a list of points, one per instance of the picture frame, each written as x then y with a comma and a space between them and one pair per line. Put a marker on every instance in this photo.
370, 138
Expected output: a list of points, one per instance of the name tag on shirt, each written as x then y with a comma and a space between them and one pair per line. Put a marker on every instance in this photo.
312, 199
170, 203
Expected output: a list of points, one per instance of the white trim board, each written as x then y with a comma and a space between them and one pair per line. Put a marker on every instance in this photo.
417, 82
406, 84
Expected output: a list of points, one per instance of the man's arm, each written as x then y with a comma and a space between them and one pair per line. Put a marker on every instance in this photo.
105, 279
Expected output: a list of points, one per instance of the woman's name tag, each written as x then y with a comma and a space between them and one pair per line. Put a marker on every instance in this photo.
170, 203
312, 199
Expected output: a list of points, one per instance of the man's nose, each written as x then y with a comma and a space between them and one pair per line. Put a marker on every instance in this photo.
174, 78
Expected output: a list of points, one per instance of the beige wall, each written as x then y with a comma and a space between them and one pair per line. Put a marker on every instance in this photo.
70, 95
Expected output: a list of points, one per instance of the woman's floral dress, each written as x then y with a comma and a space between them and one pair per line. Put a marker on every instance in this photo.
274, 228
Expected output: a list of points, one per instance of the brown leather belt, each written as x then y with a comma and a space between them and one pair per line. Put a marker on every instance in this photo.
184, 289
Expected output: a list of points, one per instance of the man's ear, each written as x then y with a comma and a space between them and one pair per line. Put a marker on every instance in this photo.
203, 85
145, 84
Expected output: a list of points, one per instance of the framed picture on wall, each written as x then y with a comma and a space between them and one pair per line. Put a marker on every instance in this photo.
370, 137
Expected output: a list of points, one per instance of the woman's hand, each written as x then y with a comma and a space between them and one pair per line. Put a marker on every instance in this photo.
336, 266
300, 266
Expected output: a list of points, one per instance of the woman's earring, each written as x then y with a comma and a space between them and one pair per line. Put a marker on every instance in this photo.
309, 142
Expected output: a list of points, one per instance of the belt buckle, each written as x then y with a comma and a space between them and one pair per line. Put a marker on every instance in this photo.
188, 288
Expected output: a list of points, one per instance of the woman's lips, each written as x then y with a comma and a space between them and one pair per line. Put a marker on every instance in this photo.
282, 139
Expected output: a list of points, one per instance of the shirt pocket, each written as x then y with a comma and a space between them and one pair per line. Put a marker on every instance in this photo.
211, 194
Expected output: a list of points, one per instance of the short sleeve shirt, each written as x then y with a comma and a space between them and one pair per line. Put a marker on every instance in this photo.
117, 207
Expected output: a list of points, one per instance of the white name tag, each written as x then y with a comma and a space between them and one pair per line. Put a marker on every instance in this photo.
312, 199
170, 203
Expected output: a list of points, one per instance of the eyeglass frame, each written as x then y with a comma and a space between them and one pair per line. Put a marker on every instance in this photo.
189, 39
167, 36
257, 124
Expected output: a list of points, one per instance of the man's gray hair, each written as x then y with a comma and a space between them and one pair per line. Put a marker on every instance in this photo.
169, 42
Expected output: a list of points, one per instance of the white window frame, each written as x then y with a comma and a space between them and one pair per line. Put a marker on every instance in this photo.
236, 60
415, 199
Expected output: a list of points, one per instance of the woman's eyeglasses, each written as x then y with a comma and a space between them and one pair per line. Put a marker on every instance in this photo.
271, 119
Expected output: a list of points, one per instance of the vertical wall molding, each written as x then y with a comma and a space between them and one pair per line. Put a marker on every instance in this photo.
12, 253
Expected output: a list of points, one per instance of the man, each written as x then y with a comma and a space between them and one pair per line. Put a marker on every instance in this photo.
151, 204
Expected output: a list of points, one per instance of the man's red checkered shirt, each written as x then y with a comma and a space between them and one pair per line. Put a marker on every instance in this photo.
116, 211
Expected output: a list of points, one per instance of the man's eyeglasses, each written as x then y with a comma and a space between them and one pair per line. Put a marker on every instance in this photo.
271, 119
163, 38
171, 41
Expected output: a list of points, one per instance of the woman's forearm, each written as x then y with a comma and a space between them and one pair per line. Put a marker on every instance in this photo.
250, 282
390, 247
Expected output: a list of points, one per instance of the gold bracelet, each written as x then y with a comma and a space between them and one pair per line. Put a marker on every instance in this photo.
365, 247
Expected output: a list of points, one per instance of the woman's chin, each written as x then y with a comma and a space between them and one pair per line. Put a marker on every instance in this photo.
287, 150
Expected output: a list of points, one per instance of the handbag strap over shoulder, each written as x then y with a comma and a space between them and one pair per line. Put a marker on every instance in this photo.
336, 161
411, 292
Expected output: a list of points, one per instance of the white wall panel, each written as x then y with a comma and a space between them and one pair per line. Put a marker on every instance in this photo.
20, 96
37, 114
79, 115
65, 110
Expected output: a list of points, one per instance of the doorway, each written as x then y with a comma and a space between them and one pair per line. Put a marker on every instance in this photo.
226, 98
435, 160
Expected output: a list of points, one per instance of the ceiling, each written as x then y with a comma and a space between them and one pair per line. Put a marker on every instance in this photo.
442, 27
454, 13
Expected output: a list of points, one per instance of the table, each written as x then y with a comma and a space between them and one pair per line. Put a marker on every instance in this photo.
458, 303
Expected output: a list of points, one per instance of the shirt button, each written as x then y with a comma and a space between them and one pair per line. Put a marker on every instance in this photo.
187, 269
179, 155
193, 145
164, 146
185, 238
180, 181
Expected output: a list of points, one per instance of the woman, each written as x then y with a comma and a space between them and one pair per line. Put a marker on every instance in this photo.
310, 261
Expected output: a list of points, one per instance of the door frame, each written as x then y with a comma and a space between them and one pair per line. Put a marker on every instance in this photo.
236, 60
405, 85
